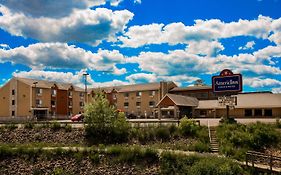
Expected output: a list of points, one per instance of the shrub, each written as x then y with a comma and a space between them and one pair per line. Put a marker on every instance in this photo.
188, 127
11, 126
68, 128
29, 125
199, 146
55, 126
198, 165
278, 123
95, 158
162, 133
104, 123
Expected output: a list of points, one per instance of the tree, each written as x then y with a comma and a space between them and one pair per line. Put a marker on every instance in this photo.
199, 82
103, 123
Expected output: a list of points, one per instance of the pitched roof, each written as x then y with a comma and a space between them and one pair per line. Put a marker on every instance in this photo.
135, 87
190, 88
48, 84
181, 100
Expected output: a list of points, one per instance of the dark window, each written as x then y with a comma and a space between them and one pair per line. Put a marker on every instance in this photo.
151, 93
126, 104
126, 95
152, 103
248, 112
13, 113
13, 102
13, 92
203, 112
268, 112
138, 94
138, 103
53, 102
258, 112
81, 103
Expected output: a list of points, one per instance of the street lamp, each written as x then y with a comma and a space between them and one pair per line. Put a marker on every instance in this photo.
85, 81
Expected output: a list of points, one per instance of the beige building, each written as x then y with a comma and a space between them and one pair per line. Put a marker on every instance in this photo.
24, 98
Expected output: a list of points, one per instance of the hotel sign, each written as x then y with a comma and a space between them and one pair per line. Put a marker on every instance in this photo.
227, 82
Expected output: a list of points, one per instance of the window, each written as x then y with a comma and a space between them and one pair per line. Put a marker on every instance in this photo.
203, 112
13, 113
126, 95
54, 92
258, 112
81, 94
70, 103
138, 94
70, 93
152, 103
248, 112
53, 103
114, 97
13, 102
38, 102
126, 104
138, 104
39, 91
13, 92
151, 93
81, 104
268, 112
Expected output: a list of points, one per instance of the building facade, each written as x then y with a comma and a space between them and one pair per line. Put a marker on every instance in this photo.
27, 98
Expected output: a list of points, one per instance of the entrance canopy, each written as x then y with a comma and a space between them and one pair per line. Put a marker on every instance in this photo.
177, 100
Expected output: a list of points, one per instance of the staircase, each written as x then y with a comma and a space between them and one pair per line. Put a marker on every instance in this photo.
213, 139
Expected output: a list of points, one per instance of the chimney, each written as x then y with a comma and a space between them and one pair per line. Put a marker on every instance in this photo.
163, 89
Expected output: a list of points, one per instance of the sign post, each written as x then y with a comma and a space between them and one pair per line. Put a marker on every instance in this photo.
227, 84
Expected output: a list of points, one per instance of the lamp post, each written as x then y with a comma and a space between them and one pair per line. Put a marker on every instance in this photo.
85, 81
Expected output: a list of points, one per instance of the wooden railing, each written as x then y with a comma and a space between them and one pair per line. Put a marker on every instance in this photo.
259, 158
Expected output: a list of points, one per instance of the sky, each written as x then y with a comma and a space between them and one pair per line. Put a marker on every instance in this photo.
122, 42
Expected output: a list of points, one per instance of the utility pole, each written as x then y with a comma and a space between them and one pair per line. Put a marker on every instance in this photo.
85, 81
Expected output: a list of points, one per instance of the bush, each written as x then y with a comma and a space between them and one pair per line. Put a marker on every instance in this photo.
29, 125
199, 146
104, 123
188, 127
278, 123
55, 126
11, 126
68, 128
198, 165
162, 133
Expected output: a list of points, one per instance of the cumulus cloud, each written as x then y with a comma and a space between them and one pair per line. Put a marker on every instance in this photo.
208, 30
60, 56
66, 77
249, 45
52, 9
261, 82
276, 90
151, 77
87, 26
4, 46
205, 48
179, 62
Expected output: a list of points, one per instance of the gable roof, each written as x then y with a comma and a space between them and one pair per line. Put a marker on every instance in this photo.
181, 100
48, 84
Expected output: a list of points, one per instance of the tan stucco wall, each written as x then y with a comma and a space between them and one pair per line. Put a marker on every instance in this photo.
132, 99
76, 102
5, 100
23, 99
45, 97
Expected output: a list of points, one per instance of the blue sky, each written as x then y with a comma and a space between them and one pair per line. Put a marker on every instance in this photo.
138, 41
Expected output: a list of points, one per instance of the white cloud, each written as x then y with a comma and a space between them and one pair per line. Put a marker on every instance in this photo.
87, 26
180, 62
208, 30
66, 77
137, 1
259, 82
205, 48
151, 77
52, 9
249, 45
276, 90
4, 46
59, 56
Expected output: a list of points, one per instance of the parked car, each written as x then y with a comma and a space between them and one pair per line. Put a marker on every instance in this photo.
77, 118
